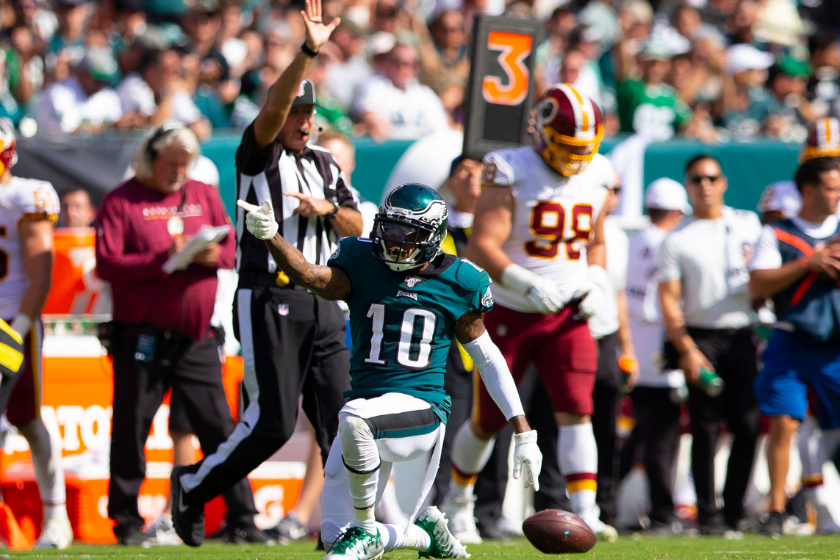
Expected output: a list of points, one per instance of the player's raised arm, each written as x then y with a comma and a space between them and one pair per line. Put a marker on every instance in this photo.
328, 282
494, 371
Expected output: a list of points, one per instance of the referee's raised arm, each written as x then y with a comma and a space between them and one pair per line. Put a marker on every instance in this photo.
281, 94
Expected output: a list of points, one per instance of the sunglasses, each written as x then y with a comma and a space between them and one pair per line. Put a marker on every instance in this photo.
697, 179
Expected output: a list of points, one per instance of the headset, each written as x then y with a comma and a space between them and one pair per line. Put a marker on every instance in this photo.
162, 130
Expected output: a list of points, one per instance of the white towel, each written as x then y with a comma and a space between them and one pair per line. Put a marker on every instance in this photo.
628, 158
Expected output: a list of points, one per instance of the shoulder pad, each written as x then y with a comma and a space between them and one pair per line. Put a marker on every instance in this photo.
470, 275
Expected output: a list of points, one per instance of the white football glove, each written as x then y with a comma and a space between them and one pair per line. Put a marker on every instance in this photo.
540, 292
260, 219
596, 300
527, 457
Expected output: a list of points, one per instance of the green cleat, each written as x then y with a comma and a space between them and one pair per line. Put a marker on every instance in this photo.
444, 543
356, 544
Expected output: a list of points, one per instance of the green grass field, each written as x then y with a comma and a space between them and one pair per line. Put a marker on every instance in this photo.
649, 548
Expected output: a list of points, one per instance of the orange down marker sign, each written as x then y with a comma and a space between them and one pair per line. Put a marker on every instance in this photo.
514, 47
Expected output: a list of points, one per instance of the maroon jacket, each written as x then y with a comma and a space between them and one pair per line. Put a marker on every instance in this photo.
132, 240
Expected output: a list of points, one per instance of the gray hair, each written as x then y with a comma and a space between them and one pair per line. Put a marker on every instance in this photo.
168, 134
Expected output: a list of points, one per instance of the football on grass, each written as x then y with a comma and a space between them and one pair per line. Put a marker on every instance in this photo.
555, 531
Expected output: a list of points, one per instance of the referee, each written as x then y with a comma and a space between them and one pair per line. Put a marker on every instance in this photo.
703, 264
292, 341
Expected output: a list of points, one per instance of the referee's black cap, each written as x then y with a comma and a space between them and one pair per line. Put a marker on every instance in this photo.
305, 94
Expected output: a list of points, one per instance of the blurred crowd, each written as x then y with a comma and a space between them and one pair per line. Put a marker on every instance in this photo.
717, 70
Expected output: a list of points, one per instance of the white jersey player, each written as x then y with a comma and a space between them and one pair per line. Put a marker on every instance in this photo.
539, 233
28, 211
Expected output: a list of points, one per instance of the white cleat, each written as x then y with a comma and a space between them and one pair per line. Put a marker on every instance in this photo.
57, 533
356, 544
603, 532
444, 543
825, 521
162, 532
462, 519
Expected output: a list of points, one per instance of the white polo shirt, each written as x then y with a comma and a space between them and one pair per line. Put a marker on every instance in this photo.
698, 253
412, 112
64, 107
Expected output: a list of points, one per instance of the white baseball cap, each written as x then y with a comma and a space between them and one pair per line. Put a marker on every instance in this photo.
783, 197
746, 57
667, 194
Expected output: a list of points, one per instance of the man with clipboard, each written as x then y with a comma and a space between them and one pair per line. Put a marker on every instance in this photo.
163, 336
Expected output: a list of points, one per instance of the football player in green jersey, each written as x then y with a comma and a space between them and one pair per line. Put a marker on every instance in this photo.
407, 300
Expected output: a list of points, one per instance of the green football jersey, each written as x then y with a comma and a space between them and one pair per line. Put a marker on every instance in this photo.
401, 323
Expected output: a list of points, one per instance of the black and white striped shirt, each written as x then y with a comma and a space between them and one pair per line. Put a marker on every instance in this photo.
264, 174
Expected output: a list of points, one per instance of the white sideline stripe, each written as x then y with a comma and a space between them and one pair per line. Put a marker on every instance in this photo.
252, 413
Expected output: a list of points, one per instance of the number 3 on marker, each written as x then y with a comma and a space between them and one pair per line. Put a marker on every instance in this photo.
515, 48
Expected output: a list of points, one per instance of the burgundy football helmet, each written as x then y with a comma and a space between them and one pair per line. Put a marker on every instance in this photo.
8, 145
823, 139
565, 118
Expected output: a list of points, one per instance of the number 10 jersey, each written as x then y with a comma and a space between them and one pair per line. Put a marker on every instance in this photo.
401, 323
553, 218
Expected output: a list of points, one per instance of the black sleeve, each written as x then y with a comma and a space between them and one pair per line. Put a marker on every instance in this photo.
343, 195
340, 193
251, 159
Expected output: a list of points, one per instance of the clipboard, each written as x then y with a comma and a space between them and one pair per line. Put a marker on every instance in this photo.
206, 235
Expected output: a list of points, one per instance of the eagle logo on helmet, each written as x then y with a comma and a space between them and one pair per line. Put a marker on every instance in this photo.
409, 227
569, 129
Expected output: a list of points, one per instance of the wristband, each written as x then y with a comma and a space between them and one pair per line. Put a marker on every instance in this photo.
336, 208
307, 51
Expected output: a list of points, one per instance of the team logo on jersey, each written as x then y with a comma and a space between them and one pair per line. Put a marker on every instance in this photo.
283, 309
412, 281
487, 300
401, 293
335, 253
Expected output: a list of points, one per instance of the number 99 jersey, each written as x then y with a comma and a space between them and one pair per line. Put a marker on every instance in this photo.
20, 200
553, 218
401, 323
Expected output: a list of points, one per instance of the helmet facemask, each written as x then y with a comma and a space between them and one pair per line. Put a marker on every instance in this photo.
404, 244
409, 227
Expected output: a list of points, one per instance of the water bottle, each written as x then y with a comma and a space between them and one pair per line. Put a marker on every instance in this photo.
710, 382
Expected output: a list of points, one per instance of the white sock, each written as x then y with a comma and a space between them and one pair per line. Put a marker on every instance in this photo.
469, 456
361, 459
364, 518
395, 537
46, 457
578, 456
53, 512
809, 449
